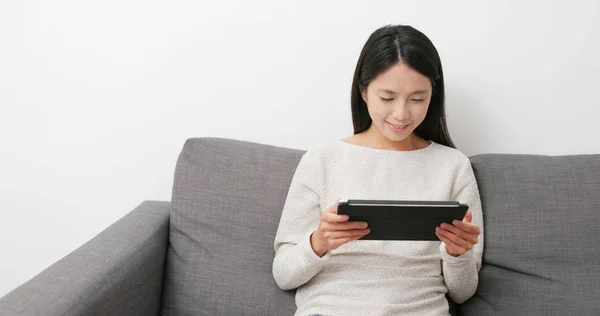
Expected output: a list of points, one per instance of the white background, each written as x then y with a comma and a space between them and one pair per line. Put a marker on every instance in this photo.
98, 97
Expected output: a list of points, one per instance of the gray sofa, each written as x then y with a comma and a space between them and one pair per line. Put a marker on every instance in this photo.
209, 251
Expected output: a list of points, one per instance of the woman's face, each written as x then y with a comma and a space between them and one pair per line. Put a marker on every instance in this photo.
397, 101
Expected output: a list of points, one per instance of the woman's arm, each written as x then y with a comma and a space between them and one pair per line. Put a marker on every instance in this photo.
295, 262
461, 273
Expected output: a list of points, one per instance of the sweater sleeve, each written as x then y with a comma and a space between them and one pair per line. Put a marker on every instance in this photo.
461, 274
295, 262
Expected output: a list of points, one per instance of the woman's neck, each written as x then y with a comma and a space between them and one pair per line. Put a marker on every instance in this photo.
373, 138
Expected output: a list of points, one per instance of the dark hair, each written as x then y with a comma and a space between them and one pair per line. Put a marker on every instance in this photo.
386, 47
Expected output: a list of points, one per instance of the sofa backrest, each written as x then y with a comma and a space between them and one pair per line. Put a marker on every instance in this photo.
542, 235
226, 205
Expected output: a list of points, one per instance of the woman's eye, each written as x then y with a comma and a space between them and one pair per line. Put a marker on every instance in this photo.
386, 100
418, 100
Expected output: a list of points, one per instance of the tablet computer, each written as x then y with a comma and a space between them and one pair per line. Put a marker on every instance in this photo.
402, 220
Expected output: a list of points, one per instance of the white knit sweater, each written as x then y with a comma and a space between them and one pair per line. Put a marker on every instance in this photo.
366, 277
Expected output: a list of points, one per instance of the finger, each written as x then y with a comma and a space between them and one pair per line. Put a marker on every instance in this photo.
451, 247
351, 233
468, 227
468, 217
345, 233
454, 238
327, 226
466, 235
346, 226
334, 218
333, 208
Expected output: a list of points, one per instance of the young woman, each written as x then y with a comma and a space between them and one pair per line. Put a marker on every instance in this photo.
400, 150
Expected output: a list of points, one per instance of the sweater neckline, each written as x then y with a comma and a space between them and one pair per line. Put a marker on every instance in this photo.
388, 151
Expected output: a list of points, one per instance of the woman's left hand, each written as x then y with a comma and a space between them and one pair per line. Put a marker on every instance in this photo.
459, 237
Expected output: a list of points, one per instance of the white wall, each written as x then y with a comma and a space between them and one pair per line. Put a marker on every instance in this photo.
98, 97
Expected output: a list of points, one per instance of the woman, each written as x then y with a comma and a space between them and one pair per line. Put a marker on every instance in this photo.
400, 150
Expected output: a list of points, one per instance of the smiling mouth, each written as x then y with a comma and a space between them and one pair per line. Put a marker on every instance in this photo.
398, 126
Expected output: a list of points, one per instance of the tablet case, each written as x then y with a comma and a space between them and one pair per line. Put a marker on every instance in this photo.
402, 220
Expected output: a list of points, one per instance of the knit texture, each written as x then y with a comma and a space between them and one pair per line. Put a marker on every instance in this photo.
365, 277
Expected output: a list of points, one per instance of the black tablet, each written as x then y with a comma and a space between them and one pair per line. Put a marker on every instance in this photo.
402, 220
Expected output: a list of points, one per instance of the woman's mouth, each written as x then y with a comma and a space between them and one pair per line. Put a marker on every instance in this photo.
397, 128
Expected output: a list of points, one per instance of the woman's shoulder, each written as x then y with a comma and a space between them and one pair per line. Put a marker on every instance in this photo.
316, 158
320, 151
450, 155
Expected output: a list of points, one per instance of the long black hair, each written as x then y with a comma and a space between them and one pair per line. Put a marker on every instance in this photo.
386, 47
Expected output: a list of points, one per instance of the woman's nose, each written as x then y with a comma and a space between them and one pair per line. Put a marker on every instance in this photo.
401, 112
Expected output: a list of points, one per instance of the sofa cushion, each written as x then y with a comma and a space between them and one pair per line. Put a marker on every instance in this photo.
226, 204
542, 250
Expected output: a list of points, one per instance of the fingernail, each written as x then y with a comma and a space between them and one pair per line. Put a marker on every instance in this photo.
455, 222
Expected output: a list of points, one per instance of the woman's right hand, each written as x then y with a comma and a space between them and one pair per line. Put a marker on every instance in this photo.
335, 230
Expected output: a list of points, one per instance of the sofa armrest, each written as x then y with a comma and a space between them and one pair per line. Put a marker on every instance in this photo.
118, 272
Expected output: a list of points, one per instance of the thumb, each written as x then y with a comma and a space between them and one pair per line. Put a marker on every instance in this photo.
468, 217
334, 207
